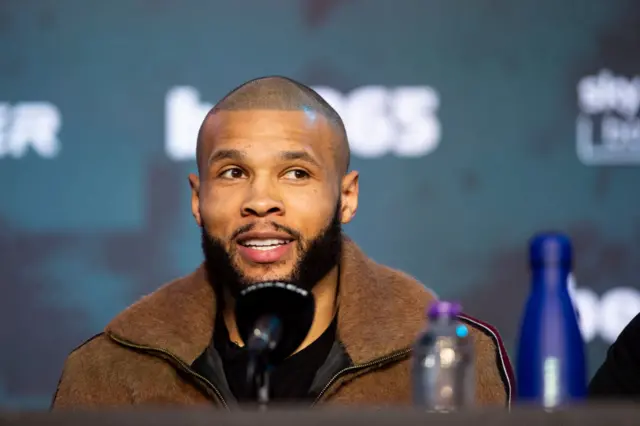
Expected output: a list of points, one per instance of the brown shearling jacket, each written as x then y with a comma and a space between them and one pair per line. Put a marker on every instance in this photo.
145, 355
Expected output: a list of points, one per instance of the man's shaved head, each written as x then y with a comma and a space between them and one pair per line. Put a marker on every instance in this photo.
281, 94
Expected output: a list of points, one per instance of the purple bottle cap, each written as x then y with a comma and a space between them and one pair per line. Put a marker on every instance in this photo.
442, 308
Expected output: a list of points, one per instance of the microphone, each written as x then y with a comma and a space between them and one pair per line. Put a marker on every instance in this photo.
273, 319
266, 335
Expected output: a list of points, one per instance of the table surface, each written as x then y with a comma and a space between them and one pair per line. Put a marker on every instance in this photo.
601, 415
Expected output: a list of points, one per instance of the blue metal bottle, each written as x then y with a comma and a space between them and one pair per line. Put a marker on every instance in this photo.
551, 366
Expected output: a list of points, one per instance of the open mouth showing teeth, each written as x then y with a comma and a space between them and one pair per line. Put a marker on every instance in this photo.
264, 244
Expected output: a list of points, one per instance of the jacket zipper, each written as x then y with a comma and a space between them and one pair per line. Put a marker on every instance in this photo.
185, 368
177, 362
384, 360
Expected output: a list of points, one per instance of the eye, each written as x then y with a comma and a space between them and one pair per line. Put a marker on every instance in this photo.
232, 173
297, 174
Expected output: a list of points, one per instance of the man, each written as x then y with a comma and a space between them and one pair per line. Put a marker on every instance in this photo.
619, 376
272, 190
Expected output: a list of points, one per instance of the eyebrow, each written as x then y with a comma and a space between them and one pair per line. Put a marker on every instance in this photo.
299, 155
236, 155
226, 154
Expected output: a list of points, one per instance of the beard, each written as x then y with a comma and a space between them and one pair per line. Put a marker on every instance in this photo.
315, 258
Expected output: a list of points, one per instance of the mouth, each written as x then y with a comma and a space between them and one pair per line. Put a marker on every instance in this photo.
264, 247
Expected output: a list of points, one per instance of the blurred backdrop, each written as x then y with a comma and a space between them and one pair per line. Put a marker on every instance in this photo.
474, 124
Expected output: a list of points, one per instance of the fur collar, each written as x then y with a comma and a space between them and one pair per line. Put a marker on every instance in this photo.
381, 311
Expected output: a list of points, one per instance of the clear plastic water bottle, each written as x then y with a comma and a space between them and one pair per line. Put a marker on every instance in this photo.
551, 366
443, 363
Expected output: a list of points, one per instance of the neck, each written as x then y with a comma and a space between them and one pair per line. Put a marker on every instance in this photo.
325, 294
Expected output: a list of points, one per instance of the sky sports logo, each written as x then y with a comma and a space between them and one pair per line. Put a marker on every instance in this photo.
608, 125
400, 121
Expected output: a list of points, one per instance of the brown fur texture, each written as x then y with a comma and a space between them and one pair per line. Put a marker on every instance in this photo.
142, 356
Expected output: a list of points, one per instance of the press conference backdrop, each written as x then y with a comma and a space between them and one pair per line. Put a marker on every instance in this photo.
474, 124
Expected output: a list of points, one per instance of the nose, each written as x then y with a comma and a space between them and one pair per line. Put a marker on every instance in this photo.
262, 200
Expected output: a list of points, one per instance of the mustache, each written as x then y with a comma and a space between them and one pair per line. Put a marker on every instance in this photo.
250, 226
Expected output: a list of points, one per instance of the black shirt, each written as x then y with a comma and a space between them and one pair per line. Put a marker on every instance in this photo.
290, 381
619, 375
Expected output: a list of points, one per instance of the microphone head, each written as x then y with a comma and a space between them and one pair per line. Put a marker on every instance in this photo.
292, 305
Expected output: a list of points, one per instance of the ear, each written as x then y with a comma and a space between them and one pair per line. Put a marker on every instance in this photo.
194, 182
349, 191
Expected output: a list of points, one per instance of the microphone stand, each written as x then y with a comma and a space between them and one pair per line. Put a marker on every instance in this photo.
259, 372
263, 389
